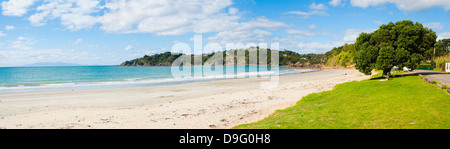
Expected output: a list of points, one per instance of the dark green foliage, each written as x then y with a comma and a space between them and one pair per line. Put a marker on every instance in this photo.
403, 44
385, 59
163, 59
286, 58
365, 59
442, 48
289, 57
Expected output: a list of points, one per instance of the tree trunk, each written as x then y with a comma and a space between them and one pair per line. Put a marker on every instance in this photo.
386, 73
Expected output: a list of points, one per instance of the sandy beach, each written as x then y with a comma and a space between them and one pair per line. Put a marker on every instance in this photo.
202, 105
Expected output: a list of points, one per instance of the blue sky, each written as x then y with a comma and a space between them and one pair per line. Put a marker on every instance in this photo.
96, 32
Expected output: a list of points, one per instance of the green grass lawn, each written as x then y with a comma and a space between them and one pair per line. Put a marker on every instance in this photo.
379, 74
402, 102
399, 72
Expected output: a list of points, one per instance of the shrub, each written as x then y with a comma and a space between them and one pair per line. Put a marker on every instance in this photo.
440, 61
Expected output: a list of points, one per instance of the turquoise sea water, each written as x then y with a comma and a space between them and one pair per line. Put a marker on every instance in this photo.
14, 79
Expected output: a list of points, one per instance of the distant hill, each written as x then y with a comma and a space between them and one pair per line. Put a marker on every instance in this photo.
50, 64
287, 58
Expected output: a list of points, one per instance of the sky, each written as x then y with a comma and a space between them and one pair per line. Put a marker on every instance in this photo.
99, 32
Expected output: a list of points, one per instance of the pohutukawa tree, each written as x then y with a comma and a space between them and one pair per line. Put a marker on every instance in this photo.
402, 44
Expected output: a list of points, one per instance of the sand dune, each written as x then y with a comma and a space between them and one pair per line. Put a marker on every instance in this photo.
215, 104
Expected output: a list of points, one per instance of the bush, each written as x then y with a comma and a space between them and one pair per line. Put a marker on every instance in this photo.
440, 61
341, 56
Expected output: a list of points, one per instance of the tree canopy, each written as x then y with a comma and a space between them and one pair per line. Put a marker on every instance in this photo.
286, 58
442, 47
401, 44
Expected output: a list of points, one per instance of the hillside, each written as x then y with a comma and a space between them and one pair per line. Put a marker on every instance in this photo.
287, 58
340, 56
163, 59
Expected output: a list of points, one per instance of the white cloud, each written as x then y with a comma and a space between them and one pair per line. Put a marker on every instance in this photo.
317, 9
240, 36
406, 5
129, 47
9, 27
444, 35
78, 41
319, 6
312, 26
2, 34
16, 7
37, 19
317, 47
74, 14
315, 12
20, 52
93, 46
260, 22
173, 17
336, 3
168, 17
251, 31
366, 3
146, 52
23, 57
434, 25
233, 11
351, 34
22, 43
289, 42
377, 22
304, 32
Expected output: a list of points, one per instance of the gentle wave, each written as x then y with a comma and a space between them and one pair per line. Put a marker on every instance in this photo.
140, 82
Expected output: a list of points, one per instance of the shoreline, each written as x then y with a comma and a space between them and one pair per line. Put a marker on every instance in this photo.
200, 105
131, 82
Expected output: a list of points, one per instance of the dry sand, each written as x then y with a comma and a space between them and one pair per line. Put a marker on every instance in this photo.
203, 105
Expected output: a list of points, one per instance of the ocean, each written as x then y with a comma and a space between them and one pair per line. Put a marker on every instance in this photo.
19, 79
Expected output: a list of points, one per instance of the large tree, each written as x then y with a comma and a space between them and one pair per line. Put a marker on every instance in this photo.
402, 44
442, 47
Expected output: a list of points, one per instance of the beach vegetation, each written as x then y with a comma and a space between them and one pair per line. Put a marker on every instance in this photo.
442, 48
287, 57
441, 61
401, 103
340, 56
401, 44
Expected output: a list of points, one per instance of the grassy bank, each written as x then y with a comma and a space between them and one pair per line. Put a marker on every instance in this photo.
403, 102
